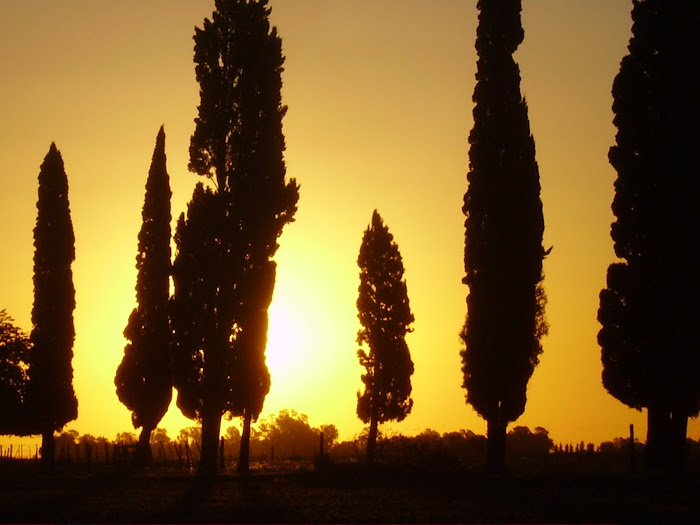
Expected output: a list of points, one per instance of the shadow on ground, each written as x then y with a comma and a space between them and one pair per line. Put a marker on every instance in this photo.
347, 494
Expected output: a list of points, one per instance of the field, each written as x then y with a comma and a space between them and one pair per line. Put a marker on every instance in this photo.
347, 493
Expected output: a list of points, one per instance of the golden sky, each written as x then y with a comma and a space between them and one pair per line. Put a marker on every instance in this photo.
379, 95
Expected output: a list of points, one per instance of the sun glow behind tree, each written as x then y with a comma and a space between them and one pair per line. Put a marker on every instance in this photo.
378, 111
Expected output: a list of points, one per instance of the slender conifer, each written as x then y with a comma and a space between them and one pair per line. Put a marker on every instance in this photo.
51, 401
504, 227
386, 318
144, 377
649, 310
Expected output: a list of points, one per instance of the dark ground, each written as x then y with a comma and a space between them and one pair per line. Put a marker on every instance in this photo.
350, 493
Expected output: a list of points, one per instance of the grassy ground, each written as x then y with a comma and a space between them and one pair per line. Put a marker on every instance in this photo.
351, 493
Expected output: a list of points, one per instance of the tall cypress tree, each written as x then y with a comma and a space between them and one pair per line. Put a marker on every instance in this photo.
238, 143
649, 311
51, 400
385, 315
504, 227
144, 377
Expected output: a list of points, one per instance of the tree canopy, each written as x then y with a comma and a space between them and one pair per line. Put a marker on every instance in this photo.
51, 400
385, 315
238, 143
648, 310
504, 228
14, 353
144, 378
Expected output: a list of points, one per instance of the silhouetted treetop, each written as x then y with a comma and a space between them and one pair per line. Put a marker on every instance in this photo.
144, 378
385, 315
239, 65
50, 398
649, 311
238, 143
504, 227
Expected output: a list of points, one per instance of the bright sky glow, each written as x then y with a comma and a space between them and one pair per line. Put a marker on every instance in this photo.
379, 95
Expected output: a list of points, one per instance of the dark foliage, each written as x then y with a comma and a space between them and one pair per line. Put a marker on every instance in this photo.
14, 353
51, 400
385, 315
238, 143
144, 378
462, 449
289, 435
193, 305
649, 310
504, 227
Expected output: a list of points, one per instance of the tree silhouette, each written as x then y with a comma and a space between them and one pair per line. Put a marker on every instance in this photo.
202, 384
144, 378
648, 311
385, 316
51, 400
14, 352
291, 435
238, 143
504, 227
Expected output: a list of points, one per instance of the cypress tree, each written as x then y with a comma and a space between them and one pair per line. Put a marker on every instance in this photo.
386, 318
50, 397
144, 377
239, 144
504, 227
648, 311
193, 310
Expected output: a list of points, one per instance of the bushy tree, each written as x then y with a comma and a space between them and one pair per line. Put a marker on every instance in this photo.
14, 353
523, 443
649, 310
504, 227
51, 400
385, 315
289, 434
238, 143
144, 378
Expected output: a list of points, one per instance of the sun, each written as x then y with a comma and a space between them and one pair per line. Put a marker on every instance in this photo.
288, 337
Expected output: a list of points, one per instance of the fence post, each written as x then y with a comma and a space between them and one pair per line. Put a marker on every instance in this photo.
189, 454
633, 456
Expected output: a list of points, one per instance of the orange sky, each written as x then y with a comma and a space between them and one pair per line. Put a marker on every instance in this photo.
379, 95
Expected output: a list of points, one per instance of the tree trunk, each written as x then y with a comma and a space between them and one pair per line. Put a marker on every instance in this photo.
211, 428
496, 445
658, 435
372, 439
143, 449
48, 451
244, 454
677, 441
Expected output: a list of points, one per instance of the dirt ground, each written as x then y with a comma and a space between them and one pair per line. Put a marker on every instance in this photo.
347, 494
